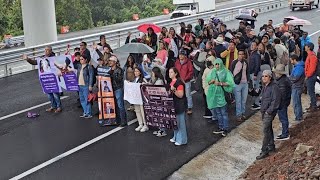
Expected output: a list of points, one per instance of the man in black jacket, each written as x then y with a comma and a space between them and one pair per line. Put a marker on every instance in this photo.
284, 85
270, 103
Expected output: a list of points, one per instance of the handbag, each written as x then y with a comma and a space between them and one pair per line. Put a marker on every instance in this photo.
228, 96
92, 97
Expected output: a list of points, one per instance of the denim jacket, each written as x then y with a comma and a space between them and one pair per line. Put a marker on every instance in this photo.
88, 74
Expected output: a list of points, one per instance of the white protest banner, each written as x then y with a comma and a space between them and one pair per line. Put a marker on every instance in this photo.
132, 93
245, 12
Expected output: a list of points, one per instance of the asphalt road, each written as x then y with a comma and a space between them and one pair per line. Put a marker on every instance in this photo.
124, 154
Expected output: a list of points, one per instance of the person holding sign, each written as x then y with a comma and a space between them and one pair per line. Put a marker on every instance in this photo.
54, 98
177, 88
143, 127
85, 79
116, 74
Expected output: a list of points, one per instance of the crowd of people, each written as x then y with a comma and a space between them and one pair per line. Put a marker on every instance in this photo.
274, 66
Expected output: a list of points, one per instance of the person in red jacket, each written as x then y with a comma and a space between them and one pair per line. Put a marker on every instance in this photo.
185, 68
311, 75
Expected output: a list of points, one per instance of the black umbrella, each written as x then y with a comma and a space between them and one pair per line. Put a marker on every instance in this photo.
245, 17
135, 48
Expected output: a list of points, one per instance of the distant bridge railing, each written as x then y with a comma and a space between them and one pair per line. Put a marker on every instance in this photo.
10, 61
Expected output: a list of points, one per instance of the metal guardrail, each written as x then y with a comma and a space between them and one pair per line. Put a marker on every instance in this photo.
10, 61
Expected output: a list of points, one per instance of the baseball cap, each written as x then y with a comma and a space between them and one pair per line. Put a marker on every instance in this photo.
183, 52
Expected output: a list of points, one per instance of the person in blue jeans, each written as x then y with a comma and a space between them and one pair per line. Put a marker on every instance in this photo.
311, 75
284, 85
297, 80
85, 81
240, 71
220, 81
55, 103
116, 74
178, 90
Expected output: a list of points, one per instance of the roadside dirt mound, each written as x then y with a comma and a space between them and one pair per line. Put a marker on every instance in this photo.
295, 159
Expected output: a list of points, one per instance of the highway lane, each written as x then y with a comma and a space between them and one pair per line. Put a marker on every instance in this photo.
123, 155
221, 5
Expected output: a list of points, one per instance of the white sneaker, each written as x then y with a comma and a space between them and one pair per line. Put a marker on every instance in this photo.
161, 134
144, 128
139, 128
177, 144
172, 140
156, 132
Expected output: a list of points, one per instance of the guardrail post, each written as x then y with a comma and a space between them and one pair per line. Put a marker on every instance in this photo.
5, 70
33, 54
119, 39
10, 72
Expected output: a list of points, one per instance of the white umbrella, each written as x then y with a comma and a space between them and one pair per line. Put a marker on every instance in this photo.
299, 22
289, 18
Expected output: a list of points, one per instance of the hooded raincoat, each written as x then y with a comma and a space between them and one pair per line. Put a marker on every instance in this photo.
215, 95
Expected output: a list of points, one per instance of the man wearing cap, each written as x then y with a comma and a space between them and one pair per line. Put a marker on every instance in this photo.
219, 47
116, 74
311, 75
185, 68
284, 85
242, 27
270, 102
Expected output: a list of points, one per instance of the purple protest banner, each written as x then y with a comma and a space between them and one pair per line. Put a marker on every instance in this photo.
49, 83
64, 69
71, 82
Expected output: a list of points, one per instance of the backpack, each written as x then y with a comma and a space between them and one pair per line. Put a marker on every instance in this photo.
284, 58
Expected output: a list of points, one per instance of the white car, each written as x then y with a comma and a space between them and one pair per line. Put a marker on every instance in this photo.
304, 4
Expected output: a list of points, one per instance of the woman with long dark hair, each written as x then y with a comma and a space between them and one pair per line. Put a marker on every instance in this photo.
177, 89
128, 69
157, 79
143, 127
170, 64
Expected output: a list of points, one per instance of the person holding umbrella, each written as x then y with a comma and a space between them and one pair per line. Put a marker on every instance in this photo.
152, 38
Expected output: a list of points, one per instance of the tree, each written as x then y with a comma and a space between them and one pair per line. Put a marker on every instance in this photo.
74, 13
83, 14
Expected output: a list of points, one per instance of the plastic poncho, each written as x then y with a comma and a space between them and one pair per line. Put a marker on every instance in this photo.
215, 95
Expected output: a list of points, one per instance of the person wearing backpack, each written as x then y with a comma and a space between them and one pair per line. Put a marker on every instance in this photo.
311, 75
282, 53
240, 71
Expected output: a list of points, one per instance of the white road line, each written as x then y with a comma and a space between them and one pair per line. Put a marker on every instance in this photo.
317, 10
28, 109
78, 148
315, 33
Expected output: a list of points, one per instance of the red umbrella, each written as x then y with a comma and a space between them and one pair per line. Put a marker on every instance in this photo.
144, 28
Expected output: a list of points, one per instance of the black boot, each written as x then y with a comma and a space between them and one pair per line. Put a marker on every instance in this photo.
262, 155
